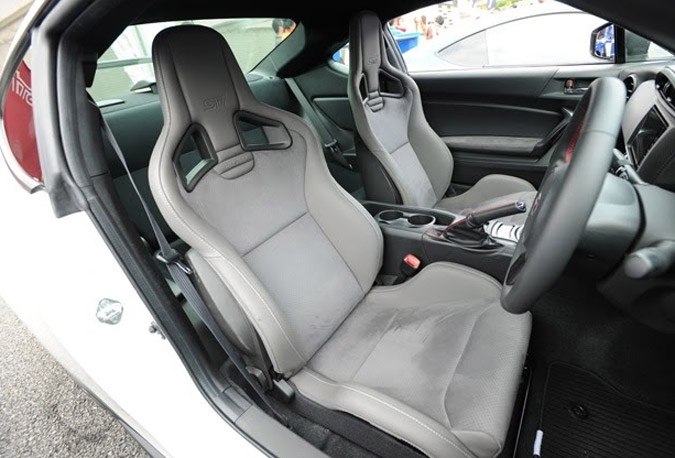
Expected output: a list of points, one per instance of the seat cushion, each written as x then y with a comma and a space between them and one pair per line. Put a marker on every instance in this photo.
492, 190
435, 361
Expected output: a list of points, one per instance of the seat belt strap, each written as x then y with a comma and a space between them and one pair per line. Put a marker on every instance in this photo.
180, 273
330, 143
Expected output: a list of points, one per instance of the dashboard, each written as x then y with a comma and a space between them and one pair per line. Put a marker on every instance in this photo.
648, 127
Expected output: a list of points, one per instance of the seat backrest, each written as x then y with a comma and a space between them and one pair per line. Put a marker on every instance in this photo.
294, 252
389, 118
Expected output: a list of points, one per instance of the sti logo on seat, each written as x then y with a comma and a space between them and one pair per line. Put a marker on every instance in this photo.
214, 103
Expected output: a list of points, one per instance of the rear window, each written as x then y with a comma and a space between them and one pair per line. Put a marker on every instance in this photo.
127, 64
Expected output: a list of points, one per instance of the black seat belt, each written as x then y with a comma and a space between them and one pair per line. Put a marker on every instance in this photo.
180, 273
330, 143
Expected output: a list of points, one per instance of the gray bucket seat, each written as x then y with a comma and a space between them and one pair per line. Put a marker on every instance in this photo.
284, 254
402, 158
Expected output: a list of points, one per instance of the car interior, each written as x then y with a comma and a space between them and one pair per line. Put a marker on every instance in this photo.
470, 263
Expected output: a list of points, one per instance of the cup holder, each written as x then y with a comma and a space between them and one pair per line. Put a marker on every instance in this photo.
420, 220
400, 218
390, 215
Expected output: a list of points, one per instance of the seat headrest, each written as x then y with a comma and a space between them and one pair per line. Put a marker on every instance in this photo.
200, 82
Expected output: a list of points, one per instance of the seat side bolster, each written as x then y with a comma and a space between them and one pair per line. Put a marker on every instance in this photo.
348, 226
434, 155
382, 412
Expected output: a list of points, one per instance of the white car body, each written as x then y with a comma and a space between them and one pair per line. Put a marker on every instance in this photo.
54, 272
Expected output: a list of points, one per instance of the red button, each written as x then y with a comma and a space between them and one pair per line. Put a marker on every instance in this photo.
412, 261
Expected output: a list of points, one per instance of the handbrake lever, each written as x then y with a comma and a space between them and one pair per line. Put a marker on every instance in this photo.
477, 218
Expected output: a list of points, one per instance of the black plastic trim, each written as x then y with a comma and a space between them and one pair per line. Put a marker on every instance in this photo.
206, 151
251, 118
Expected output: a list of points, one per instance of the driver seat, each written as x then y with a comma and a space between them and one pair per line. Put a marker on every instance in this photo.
402, 160
285, 257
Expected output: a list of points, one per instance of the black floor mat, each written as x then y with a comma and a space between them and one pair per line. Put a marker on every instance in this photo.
583, 416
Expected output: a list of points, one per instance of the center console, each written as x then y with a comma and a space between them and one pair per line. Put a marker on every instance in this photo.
420, 231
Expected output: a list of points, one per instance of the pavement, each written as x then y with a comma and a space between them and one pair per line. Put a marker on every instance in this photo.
43, 413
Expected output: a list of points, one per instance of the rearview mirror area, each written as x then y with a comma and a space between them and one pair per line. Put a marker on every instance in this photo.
603, 42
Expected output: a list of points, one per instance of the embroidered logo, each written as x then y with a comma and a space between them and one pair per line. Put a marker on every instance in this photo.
213, 103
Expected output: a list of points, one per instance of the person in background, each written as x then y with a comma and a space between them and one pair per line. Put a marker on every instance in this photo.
396, 25
434, 29
423, 26
416, 23
282, 28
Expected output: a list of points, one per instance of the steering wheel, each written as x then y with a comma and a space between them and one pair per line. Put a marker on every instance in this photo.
566, 196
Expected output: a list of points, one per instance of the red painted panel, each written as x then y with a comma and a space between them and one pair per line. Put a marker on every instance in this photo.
19, 122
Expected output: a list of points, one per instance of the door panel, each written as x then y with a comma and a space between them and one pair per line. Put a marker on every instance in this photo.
494, 120
503, 120
450, 118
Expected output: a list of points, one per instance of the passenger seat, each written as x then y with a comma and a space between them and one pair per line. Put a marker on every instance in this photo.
402, 159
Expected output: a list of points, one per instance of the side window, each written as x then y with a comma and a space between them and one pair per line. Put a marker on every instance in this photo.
492, 33
639, 49
464, 34
127, 65
549, 39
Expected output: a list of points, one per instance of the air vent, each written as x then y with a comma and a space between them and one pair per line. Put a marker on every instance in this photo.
665, 87
631, 84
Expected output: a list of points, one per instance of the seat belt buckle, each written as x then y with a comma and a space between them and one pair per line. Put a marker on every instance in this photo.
174, 257
334, 149
409, 267
331, 145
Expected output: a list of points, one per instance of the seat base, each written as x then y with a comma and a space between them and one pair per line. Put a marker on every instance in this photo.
492, 190
435, 362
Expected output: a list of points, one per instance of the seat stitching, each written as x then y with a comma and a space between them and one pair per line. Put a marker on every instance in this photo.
371, 222
255, 290
357, 207
478, 318
274, 233
345, 195
461, 355
452, 161
370, 353
464, 303
318, 223
451, 265
405, 414
405, 143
